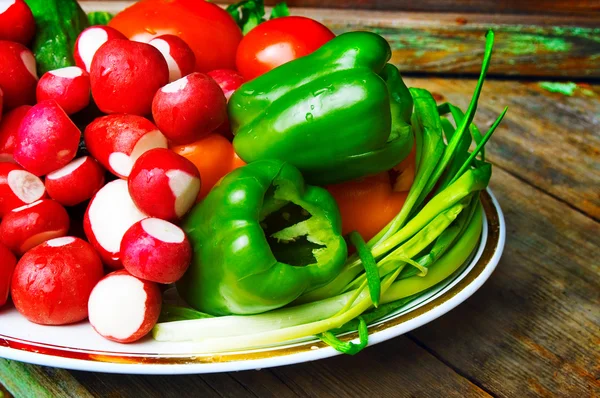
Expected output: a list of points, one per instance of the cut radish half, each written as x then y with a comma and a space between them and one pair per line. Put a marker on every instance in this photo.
76, 182
156, 250
9, 129
110, 214
18, 78
89, 41
28, 226
164, 184
117, 141
69, 87
18, 188
179, 56
124, 308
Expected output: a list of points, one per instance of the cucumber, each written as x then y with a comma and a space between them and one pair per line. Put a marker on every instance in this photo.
99, 18
58, 22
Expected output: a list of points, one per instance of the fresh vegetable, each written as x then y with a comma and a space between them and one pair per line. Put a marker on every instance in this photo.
156, 250
16, 22
110, 214
124, 308
329, 113
53, 281
189, 108
164, 184
9, 129
69, 87
18, 187
249, 13
179, 56
47, 139
213, 156
28, 226
18, 78
261, 238
117, 141
89, 41
209, 31
8, 262
427, 241
229, 80
278, 41
125, 75
58, 22
368, 204
75, 183
99, 18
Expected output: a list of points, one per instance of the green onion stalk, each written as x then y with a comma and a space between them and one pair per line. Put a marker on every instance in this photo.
426, 243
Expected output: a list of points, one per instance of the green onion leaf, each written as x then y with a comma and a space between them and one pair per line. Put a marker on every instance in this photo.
368, 261
280, 10
348, 347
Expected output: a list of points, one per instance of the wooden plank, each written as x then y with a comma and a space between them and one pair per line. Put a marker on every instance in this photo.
534, 328
396, 368
548, 139
561, 7
553, 7
452, 43
24, 380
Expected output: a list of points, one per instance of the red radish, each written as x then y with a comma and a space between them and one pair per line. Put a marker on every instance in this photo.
18, 78
7, 266
117, 141
52, 282
156, 250
124, 308
89, 41
47, 139
9, 128
179, 56
69, 87
200, 104
16, 21
229, 80
18, 187
164, 184
26, 227
76, 182
1, 103
125, 75
110, 214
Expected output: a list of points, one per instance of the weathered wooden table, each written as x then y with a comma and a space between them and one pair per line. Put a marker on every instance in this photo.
532, 330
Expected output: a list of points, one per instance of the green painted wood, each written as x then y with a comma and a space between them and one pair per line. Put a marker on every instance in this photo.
24, 380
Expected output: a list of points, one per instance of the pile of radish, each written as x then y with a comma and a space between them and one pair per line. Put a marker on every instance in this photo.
133, 187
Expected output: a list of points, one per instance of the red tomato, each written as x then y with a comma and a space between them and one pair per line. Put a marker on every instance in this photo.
208, 29
278, 41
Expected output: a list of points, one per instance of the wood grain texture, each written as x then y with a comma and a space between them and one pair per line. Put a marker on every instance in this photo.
398, 368
452, 43
548, 139
561, 7
553, 7
24, 380
534, 328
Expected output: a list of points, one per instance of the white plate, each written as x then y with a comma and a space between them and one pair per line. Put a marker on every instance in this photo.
79, 347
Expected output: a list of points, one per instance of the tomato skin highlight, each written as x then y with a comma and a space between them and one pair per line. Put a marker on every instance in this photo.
278, 41
208, 29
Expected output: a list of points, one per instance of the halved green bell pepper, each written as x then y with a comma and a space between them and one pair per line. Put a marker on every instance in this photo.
261, 238
337, 114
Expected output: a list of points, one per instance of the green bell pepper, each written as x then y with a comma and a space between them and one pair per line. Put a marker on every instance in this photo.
261, 238
338, 114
